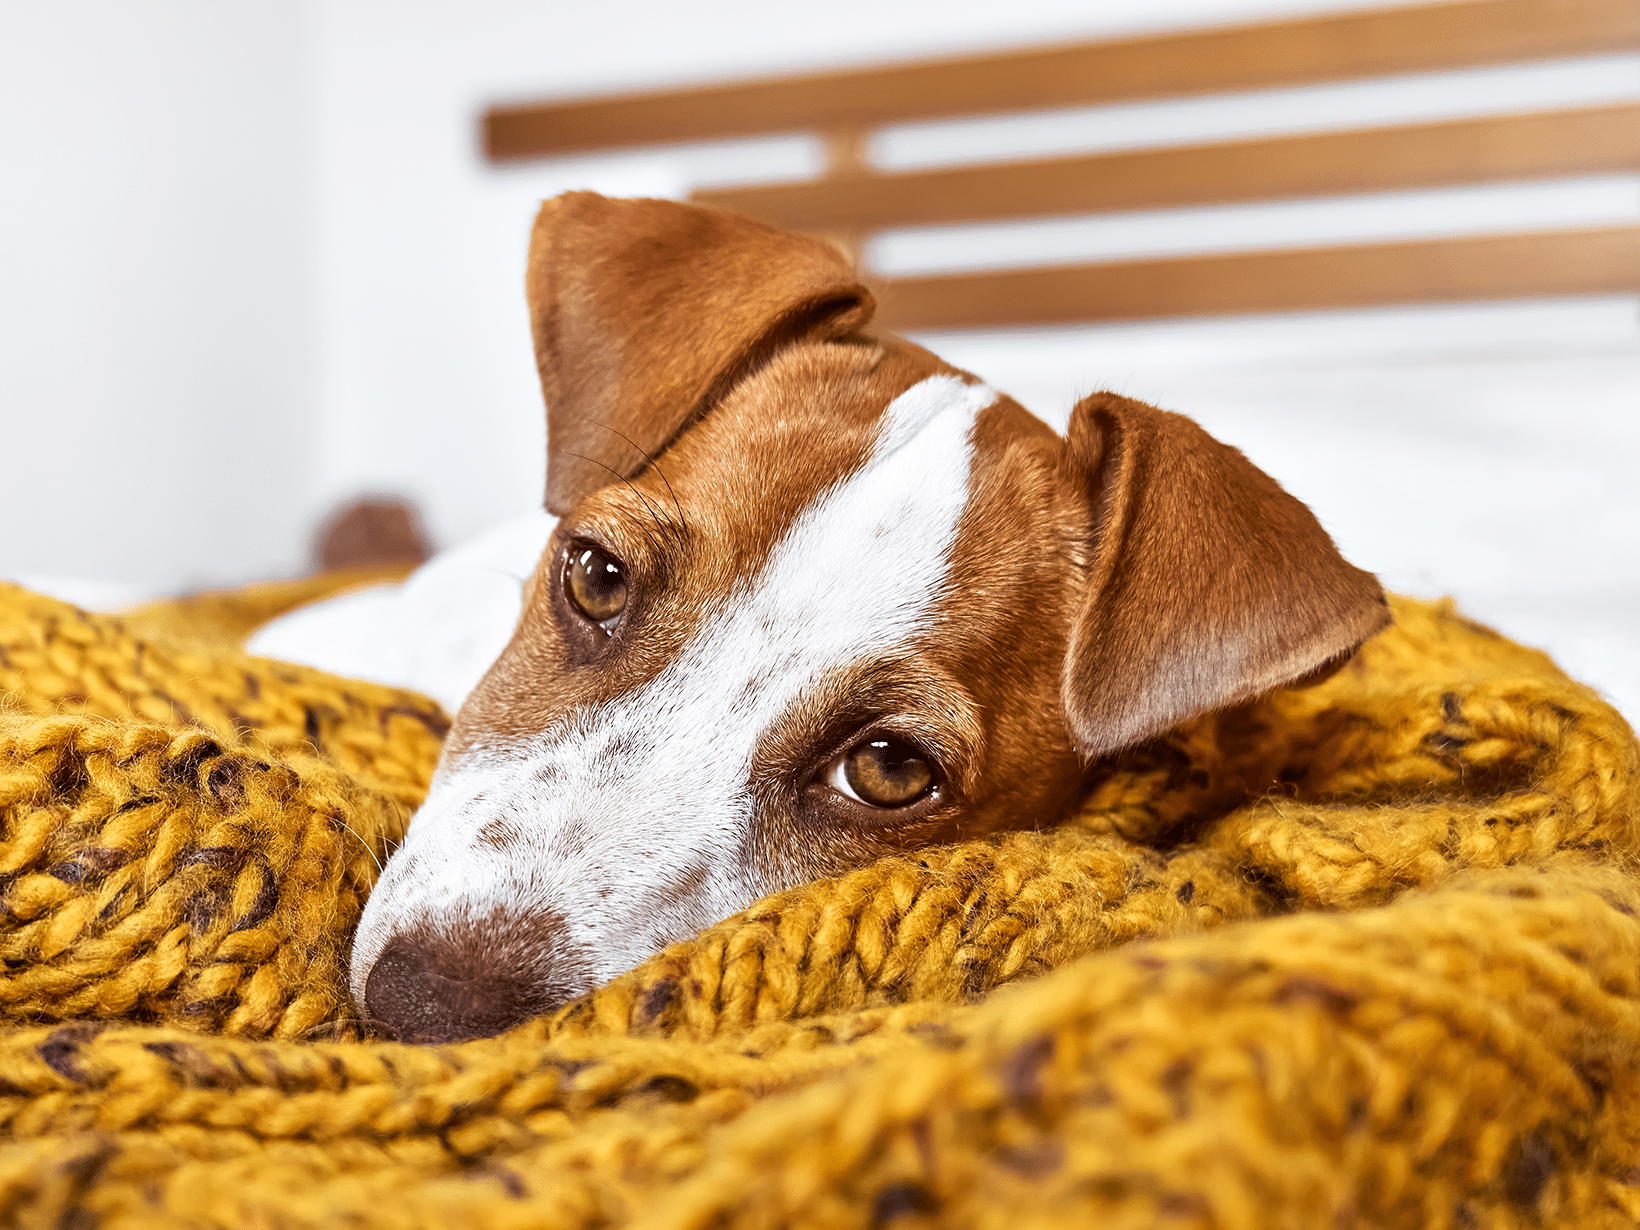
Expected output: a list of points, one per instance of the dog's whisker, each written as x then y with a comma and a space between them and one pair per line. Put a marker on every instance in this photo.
366, 845
653, 511
511, 576
378, 1026
363, 1023
653, 461
333, 1028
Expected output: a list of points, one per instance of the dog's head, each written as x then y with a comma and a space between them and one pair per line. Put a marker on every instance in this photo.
814, 597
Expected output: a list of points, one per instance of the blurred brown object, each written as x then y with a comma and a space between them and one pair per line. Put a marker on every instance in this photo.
855, 200
372, 533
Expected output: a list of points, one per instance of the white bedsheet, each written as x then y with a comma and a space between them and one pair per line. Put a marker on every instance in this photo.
438, 631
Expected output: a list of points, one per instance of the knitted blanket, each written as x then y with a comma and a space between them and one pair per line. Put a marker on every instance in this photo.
1365, 954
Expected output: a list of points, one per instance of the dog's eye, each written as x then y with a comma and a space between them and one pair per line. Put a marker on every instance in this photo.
596, 585
882, 772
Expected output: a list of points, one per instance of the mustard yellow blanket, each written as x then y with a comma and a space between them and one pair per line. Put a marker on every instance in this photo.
1361, 955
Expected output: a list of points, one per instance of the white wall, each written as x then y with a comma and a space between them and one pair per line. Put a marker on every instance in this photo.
156, 391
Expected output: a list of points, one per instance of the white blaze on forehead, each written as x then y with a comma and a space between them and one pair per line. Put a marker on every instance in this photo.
619, 806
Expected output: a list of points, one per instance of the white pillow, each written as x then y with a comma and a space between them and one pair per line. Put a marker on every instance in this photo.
436, 632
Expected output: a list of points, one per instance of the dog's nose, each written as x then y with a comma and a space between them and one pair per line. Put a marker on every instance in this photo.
429, 990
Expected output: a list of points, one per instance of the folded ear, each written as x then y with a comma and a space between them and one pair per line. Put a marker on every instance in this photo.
1209, 584
646, 312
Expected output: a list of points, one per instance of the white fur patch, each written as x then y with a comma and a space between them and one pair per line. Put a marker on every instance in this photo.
633, 820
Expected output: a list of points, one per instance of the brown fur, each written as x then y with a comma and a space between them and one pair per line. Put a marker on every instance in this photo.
1105, 587
1102, 587
644, 312
1210, 585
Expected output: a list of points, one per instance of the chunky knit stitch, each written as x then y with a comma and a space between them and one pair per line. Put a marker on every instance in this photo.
1362, 954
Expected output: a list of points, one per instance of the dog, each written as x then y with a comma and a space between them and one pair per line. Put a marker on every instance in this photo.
813, 597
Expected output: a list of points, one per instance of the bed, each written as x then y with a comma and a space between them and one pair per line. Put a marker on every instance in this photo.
1357, 954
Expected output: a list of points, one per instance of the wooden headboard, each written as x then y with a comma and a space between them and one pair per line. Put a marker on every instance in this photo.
852, 200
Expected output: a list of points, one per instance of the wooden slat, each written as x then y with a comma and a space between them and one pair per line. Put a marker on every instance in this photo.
1330, 48
1592, 261
1370, 160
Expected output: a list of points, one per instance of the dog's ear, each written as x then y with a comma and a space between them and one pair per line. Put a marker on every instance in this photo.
1209, 585
646, 312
